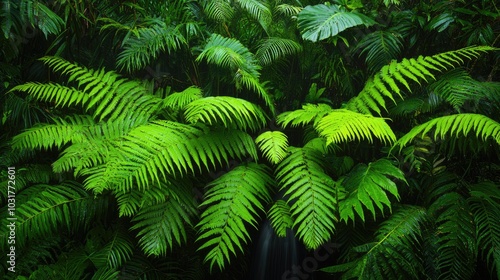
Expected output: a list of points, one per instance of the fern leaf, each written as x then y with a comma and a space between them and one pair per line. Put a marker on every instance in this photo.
343, 125
380, 48
320, 22
233, 200
309, 113
368, 186
219, 10
456, 126
273, 144
230, 111
161, 148
280, 217
178, 100
275, 48
372, 96
259, 10
393, 252
457, 251
310, 192
109, 248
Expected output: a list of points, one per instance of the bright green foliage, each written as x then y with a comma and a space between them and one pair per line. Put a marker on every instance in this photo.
229, 111
456, 234
320, 22
274, 48
368, 186
391, 254
258, 10
456, 126
274, 145
311, 194
178, 100
310, 113
280, 217
232, 200
218, 10
385, 82
343, 126
164, 148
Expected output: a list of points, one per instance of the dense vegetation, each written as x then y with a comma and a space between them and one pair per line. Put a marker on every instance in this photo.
151, 139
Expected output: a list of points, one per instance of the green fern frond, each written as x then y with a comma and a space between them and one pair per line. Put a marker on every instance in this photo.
320, 22
280, 217
275, 48
393, 253
178, 100
288, 10
368, 186
386, 81
485, 207
59, 94
343, 125
309, 113
258, 10
152, 40
109, 248
456, 232
233, 200
273, 144
161, 148
162, 224
219, 10
380, 48
456, 126
310, 192
232, 112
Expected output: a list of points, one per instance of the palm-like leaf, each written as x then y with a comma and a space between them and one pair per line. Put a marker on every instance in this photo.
259, 10
393, 253
311, 194
230, 111
310, 113
371, 98
109, 248
455, 125
380, 48
219, 10
368, 186
320, 22
273, 144
232, 200
275, 48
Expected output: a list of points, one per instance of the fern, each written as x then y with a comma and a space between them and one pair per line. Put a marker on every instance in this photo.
178, 100
320, 22
230, 53
455, 125
273, 144
392, 254
141, 50
230, 111
232, 200
220, 11
310, 113
161, 148
485, 206
310, 192
259, 10
371, 98
272, 49
457, 251
109, 248
380, 48
280, 217
368, 186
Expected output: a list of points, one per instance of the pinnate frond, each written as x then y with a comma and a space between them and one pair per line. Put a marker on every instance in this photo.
230, 111
380, 48
152, 151
310, 113
456, 126
310, 192
385, 83
320, 22
178, 100
368, 187
392, 254
233, 201
342, 125
109, 248
273, 144
280, 217
275, 48
219, 10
